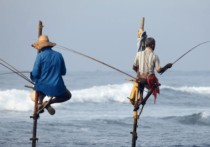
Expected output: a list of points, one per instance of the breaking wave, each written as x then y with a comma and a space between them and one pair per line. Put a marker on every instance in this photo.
19, 100
115, 92
202, 118
119, 92
16, 100
189, 89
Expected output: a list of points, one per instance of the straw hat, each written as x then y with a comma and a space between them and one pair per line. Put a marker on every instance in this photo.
42, 42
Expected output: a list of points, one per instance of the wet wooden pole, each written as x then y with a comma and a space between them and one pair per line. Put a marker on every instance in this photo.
135, 121
138, 96
40, 29
35, 116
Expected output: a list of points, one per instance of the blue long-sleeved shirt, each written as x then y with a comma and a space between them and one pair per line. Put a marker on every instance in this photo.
47, 72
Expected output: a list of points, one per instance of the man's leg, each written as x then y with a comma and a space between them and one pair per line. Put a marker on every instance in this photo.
41, 97
142, 84
59, 99
40, 100
47, 104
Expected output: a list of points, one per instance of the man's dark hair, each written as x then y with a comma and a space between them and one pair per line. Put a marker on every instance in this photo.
150, 41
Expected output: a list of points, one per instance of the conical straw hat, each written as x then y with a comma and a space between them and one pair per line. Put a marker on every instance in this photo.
42, 42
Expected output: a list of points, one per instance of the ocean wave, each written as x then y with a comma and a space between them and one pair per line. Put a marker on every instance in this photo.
119, 92
19, 100
202, 118
107, 93
189, 89
15, 100
116, 122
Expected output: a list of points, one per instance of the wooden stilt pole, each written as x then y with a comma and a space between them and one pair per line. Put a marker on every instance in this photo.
138, 96
35, 116
135, 125
137, 116
40, 29
135, 120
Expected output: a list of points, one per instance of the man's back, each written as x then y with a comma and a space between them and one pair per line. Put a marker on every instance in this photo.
47, 72
146, 61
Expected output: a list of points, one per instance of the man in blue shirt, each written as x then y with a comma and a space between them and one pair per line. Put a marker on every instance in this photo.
49, 67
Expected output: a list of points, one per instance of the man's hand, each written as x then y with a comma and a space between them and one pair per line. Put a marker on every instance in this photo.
135, 68
162, 70
169, 65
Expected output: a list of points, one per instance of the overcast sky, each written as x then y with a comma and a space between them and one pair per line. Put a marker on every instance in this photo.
106, 30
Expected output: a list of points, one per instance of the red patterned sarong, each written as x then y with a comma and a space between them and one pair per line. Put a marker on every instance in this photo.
153, 84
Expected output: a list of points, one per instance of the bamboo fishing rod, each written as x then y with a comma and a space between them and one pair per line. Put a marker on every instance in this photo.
6, 73
190, 51
14, 70
89, 57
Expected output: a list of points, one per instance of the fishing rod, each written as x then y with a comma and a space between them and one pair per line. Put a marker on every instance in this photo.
18, 73
14, 70
79, 53
190, 51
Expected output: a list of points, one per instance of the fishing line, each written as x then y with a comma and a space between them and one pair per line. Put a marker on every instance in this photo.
189, 51
79, 53
18, 73
14, 70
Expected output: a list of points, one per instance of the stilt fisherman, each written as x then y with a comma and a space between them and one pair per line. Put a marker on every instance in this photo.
47, 73
145, 64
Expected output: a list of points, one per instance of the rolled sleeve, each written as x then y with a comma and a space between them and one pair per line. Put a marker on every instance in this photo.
157, 63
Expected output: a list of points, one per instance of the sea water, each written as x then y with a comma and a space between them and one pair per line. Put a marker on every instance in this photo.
99, 112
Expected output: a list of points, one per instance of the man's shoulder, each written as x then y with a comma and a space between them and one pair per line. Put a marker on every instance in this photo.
57, 53
139, 52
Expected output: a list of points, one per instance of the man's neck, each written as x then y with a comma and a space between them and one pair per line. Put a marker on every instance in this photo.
46, 48
149, 49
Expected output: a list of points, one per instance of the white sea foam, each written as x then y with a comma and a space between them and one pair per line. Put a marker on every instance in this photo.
19, 100
202, 118
116, 92
16, 100
205, 115
119, 92
190, 89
